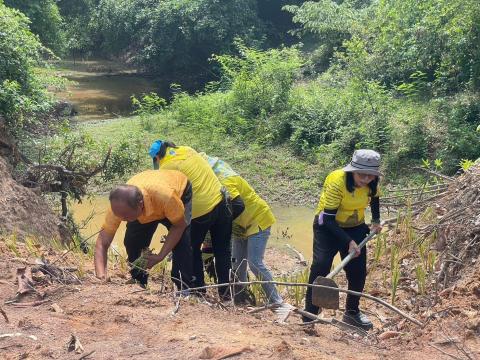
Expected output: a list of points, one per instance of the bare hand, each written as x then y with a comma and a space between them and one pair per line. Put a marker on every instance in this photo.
353, 247
376, 228
152, 260
238, 230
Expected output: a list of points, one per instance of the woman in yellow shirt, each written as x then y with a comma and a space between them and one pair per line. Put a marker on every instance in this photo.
339, 226
209, 208
252, 220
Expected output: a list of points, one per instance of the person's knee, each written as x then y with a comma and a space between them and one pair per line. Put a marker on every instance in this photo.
257, 267
319, 268
357, 277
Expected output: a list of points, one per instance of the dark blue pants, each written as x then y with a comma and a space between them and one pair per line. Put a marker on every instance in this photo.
219, 223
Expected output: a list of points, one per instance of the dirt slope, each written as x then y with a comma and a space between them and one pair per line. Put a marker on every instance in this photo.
22, 211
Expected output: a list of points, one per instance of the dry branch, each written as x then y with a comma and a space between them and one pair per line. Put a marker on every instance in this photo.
428, 187
86, 355
414, 194
4, 314
301, 258
435, 173
367, 296
444, 352
29, 304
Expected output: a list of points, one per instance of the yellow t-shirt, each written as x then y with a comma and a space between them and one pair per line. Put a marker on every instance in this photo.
351, 206
162, 192
257, 214
206, 188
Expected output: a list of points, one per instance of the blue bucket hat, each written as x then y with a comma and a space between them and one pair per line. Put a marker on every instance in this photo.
154, 150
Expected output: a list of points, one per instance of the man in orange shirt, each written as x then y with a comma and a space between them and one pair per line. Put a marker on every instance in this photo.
150, 198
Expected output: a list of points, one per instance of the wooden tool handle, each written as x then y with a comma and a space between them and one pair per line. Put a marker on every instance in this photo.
350, 256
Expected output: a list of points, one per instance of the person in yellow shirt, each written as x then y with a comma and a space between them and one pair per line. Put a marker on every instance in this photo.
210, 212
339, 226
253, 219
150, 198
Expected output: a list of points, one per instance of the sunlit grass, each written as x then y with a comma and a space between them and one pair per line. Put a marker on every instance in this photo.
272, 170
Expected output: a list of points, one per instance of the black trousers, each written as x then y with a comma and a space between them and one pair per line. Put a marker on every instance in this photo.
139, 236
325, 247
219, 223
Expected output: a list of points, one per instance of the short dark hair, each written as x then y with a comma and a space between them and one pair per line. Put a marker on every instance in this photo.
128, 194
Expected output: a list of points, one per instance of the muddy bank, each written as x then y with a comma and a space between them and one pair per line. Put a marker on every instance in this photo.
24, 212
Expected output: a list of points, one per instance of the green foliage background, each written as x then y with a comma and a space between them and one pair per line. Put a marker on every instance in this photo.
321, 78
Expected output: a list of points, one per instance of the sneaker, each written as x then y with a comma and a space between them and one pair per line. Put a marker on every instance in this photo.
357, 319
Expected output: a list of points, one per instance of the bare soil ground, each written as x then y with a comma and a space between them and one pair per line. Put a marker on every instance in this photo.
119, 321
22, 211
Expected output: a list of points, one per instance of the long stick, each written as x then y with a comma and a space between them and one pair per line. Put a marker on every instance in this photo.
373, 298
414, 194
432, 172
300, 256
393, 190
4, 314
444, 352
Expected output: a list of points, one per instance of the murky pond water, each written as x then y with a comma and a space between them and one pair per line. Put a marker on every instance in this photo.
102, 89
294, 225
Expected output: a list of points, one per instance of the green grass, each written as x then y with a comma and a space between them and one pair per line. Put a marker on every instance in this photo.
274, 172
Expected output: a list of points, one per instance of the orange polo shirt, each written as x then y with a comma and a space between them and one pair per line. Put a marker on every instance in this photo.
162, 192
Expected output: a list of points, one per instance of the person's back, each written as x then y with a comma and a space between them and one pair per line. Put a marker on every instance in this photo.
206, 186
148, 199
251, 230
257, 214
210, 212
158, 188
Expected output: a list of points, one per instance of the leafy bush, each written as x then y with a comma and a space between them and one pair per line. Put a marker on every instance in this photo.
255, 86
461, 116
21, 93
79, 152
327, 119
176, 38
401, 38
45, 21
260, 82
146, 106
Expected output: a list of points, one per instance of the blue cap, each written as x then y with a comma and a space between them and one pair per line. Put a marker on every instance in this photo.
155, 148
